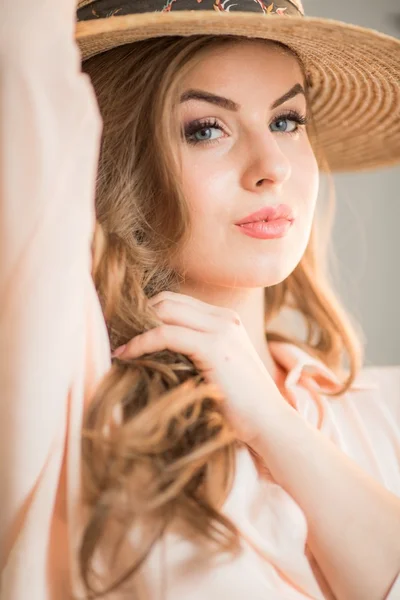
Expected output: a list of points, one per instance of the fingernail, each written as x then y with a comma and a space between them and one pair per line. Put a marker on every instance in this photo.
118, 351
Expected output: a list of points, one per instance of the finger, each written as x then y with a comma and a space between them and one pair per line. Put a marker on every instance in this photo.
199, 304
185, 315
166, 337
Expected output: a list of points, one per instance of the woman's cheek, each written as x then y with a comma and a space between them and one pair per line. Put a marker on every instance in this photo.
305, 174
207, 184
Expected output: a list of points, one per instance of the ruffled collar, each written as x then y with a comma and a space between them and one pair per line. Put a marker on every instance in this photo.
296, 363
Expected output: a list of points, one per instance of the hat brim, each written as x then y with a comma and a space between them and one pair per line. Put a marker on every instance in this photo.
354, 72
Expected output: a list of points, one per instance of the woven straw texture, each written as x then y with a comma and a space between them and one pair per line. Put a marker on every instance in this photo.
354, 73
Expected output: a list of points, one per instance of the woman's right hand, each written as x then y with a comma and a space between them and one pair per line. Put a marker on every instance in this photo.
217, 343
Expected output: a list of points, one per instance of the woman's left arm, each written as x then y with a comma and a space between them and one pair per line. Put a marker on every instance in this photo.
354, 522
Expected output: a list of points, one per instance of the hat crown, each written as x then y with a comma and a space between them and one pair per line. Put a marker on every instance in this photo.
93, 9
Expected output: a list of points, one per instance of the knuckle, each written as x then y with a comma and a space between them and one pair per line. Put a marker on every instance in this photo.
235, 319
158, 297
232, 320
165, 295
162, 307
161, 333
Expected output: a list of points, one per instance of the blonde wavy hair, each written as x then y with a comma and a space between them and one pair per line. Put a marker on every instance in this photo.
156, 447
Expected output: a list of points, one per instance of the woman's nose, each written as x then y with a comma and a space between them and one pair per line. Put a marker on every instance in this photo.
265, 162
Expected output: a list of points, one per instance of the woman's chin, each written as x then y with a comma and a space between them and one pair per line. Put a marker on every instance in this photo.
265, 274
246, 278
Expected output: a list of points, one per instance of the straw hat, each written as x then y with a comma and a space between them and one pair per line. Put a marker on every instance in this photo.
354, 73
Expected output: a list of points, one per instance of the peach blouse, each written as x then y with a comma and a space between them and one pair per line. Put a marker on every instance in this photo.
54, 349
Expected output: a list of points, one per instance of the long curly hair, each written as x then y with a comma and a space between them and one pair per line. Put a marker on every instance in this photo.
156, 446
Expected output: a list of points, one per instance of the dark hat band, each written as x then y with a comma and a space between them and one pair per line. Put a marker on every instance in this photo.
100, 9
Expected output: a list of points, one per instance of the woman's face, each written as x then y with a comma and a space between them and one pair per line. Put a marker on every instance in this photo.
243, 154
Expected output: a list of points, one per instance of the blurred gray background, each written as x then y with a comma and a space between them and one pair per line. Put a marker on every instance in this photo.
367, 224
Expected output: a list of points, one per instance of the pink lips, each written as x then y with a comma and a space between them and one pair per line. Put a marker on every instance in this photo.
270, 222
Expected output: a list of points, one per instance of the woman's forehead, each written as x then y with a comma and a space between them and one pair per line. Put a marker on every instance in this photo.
242, 52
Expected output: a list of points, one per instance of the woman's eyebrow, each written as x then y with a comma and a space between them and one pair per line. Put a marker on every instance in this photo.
230, 104
296, 89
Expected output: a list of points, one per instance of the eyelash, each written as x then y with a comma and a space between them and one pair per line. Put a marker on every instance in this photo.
195, 126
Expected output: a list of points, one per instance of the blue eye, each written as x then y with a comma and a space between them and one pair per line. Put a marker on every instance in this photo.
205, 134
282, 125
199, 132
282, 122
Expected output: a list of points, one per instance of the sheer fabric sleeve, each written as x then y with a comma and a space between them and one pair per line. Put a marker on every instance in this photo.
49, 138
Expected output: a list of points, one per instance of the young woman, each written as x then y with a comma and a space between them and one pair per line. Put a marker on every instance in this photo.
159, 439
